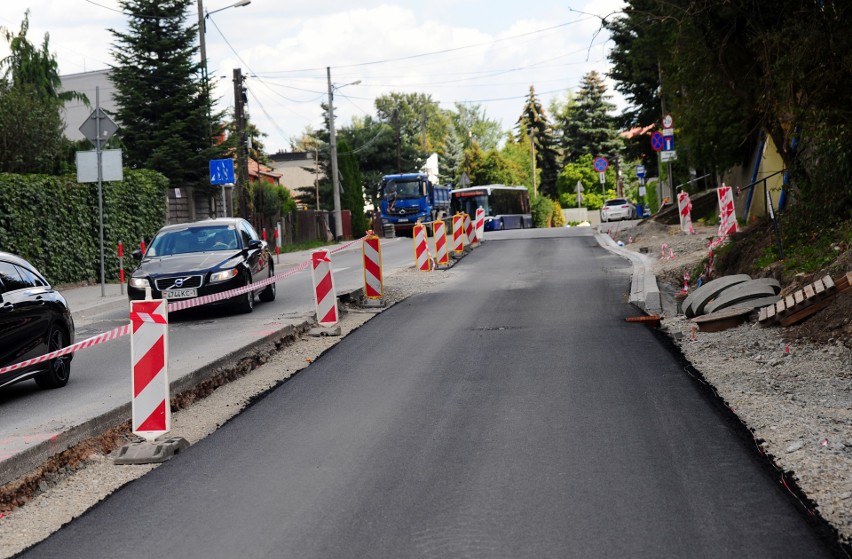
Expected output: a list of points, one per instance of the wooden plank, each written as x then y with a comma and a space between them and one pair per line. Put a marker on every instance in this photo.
799, 297
829, 283
804, 313
844, 282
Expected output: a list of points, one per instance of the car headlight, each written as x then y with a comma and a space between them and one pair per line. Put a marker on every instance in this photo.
139, 283
216, 277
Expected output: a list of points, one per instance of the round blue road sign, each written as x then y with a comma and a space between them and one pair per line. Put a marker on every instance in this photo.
657, 141
601, 164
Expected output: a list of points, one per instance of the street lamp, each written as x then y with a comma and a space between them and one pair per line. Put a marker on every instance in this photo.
202, 30
335, 179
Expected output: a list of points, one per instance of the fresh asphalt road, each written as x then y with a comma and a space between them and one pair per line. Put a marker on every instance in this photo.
513, 413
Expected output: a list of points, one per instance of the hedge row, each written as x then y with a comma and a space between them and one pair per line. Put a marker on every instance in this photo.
53, 221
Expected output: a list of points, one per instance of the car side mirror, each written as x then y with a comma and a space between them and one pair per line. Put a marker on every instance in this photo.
137, 254
255, 244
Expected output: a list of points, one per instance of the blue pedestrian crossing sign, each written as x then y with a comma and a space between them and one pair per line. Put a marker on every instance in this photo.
222, 171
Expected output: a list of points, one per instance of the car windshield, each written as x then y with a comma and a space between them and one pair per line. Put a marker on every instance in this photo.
616, 202
194, 239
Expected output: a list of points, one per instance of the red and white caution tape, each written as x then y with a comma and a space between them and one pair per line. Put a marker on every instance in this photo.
94, 340
173, 306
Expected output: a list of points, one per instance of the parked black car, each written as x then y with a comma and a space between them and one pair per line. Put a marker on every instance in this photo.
189, 260
34, 320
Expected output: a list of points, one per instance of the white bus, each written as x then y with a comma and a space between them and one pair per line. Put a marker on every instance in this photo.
506, 207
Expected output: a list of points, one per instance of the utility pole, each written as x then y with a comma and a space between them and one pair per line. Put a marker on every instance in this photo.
242, 148
668, 163
532, 157
335, 179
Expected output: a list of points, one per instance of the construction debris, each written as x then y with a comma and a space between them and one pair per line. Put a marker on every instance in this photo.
805, 302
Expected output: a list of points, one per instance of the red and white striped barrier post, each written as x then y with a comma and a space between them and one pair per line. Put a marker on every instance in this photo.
685, 209
442, 246
149, 347
727, 211
421, 248
468, 230
121, 266
142, 246
480, 224
372, 249
458, 225
324, 292
277, 243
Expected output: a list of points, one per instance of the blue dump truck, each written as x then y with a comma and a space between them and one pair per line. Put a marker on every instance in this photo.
409, 197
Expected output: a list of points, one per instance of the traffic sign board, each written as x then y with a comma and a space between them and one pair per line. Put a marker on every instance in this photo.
601, 164
657, 141
667, 156
90, 128
222, 171
640, 171
668, 143
668, 121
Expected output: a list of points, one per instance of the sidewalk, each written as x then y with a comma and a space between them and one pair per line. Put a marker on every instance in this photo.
87, 302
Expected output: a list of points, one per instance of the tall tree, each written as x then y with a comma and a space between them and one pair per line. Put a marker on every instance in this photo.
352, 197
533, 121
471, 124
451, 158
31, 101
163, 108
587, 124
419, 127
733, 69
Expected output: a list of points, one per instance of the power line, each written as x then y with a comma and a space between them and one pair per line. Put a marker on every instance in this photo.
442, 51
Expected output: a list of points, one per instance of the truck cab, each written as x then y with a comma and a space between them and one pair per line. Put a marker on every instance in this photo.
411, 197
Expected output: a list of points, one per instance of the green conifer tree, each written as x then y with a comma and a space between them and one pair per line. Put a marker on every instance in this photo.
164, 110
533, 119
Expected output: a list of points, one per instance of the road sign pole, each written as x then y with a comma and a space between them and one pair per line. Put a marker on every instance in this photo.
99, 152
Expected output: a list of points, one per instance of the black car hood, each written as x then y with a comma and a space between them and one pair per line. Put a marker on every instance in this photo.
195, 263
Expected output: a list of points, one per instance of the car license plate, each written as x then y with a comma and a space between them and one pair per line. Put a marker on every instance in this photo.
179, 293
403, 220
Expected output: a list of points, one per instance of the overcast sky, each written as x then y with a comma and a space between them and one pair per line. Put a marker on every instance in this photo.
471, 51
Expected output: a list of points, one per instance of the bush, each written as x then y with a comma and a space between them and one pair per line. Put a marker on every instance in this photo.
558, 216
53, 221
542, 211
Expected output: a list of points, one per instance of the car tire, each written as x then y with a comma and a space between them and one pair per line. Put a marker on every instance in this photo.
245, 303
59, 368
268, 294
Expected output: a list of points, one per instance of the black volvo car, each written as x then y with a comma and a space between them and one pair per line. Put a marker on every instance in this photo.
34, 320
190, 260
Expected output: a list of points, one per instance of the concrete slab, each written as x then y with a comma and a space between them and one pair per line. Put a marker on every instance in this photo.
694, 304
321, 332
147, 452
740, 293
